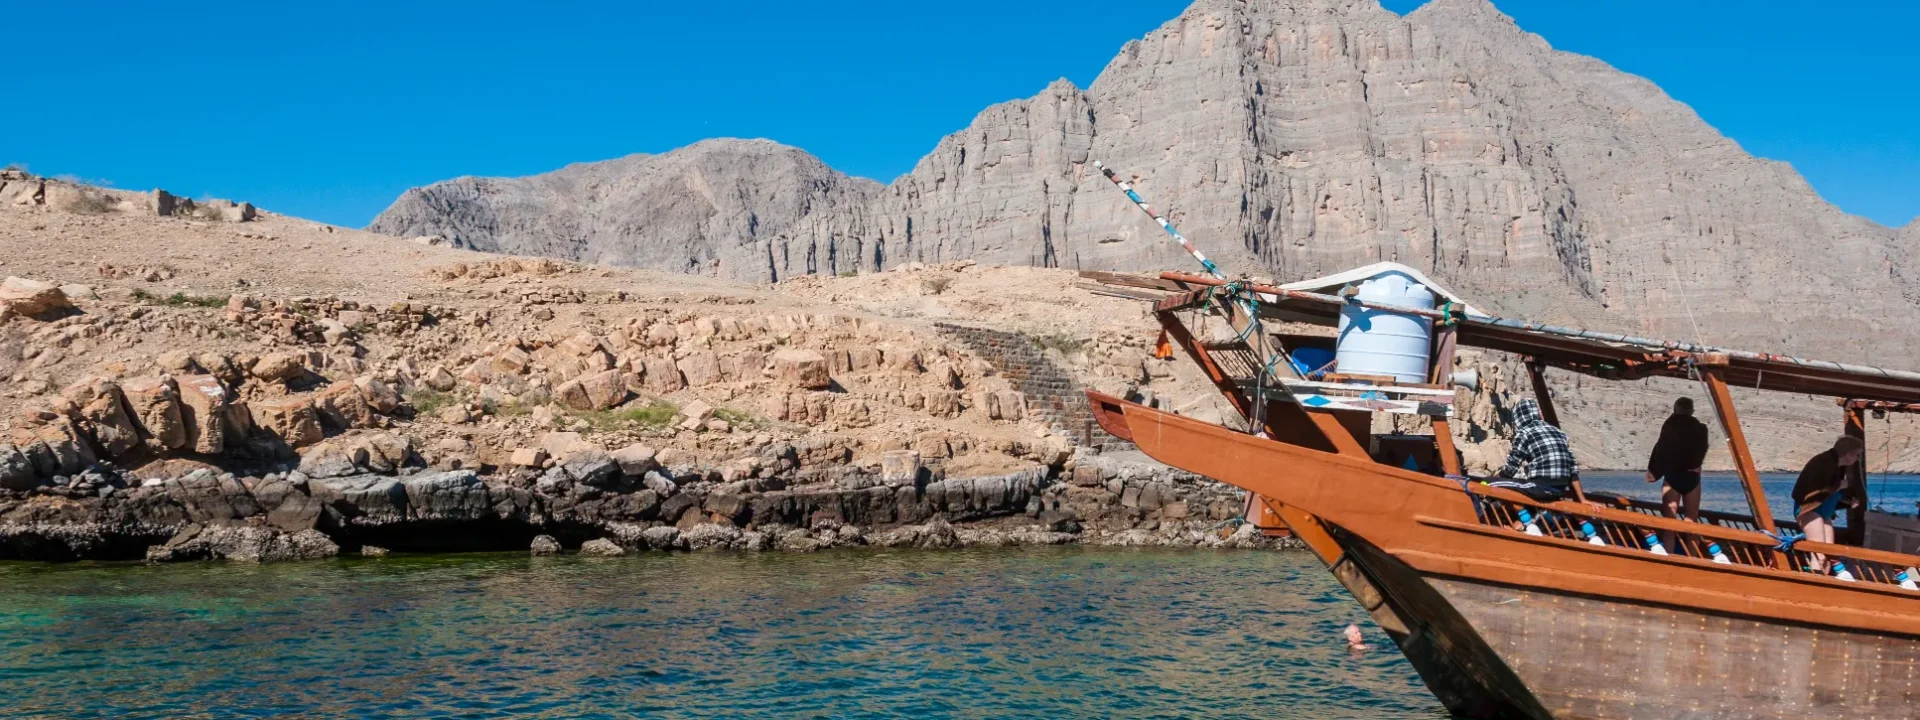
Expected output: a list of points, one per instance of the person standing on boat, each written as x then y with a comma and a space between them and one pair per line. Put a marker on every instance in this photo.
1543, 452
1821, 488
1677, 457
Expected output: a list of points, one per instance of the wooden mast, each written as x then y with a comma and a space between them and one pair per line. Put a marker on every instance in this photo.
1742, 455
1445, 342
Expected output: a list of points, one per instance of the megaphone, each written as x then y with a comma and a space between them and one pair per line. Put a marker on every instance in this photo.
1468, 378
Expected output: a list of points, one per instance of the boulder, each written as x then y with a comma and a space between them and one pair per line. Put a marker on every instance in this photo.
291, 419
511, 361
662, 376
342, 407
203, 404
700, 368
697, 410
103, 416
591, 467
362, 499
164, 204
562, 445
710, 536
34, 299
16, 470
580, 344
528, 457
899, 467
605, 389
663, 538
635, 460
211, 498
379, 395
280, 367
243, 544
545, 545
802, 369
455, 495
601, 547
155, 404
438, 378
287, 503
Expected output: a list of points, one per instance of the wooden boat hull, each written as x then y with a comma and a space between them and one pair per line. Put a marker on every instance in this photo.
1566, 656
1501, 624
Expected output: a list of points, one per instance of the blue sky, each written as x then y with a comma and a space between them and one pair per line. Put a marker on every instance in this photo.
329, 111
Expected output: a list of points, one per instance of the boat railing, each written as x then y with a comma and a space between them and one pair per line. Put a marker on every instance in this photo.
1630, 528
1711, 517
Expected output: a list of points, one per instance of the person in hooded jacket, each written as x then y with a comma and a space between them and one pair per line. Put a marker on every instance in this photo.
1677, 457
1542, 451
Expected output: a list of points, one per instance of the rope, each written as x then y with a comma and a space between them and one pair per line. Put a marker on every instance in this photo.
1234, 290
1787, 539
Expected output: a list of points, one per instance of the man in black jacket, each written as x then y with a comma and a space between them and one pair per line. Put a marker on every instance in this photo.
1677, 457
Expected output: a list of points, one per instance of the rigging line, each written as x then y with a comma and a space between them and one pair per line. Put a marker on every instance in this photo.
1685, 303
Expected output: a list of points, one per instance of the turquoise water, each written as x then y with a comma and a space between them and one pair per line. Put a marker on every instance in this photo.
1034, 632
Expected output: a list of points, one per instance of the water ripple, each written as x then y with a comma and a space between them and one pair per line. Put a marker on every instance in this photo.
1036, 632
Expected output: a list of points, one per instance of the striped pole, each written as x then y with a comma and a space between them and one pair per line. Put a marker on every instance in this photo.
1127, 188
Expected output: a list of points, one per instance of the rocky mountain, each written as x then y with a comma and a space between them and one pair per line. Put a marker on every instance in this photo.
736, 208
1289, 138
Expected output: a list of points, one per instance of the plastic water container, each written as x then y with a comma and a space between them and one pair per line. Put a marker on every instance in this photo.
1526, 518
1377, 342
1593, 536
1905, 578
1654, 546
1840, 572
1719, 558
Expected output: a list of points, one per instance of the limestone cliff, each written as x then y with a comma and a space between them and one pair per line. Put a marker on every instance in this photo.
1289, 138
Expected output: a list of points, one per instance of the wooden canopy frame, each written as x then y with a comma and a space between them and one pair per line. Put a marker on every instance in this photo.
1602, 355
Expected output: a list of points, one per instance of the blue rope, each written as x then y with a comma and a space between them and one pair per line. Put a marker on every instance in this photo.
1787, 539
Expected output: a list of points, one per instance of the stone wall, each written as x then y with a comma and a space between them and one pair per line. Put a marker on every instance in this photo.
1051, 394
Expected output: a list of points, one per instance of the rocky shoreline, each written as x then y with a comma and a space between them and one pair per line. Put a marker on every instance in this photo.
599, 503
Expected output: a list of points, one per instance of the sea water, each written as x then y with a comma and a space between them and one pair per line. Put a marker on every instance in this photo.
1724, 491
1031, 632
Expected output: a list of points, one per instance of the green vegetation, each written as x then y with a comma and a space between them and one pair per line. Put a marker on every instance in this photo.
849, 273
649, 413
503, 409
180, 299
427, 401
739, 419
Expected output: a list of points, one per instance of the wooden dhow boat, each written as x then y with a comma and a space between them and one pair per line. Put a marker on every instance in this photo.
1512, 608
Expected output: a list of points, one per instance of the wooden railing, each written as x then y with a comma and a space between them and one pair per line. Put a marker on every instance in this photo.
1627, 523
1711, 517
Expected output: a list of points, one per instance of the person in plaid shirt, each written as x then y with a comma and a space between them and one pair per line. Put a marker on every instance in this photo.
1543, 451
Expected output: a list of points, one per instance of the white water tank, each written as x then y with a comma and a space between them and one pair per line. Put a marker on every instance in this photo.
1377, 342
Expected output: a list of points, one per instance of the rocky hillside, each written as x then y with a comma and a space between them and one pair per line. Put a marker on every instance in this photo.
1290, 138
738, 209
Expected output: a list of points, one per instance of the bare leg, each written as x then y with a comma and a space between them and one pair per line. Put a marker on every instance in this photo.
1817, 530
1691, 502
1672, 500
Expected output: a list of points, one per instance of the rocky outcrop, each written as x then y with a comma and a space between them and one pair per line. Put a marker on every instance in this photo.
591, 502
1290, 138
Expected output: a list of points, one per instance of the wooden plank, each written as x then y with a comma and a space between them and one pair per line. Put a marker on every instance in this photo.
1134, 281
1742, 455
1443, 442
1120, 292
